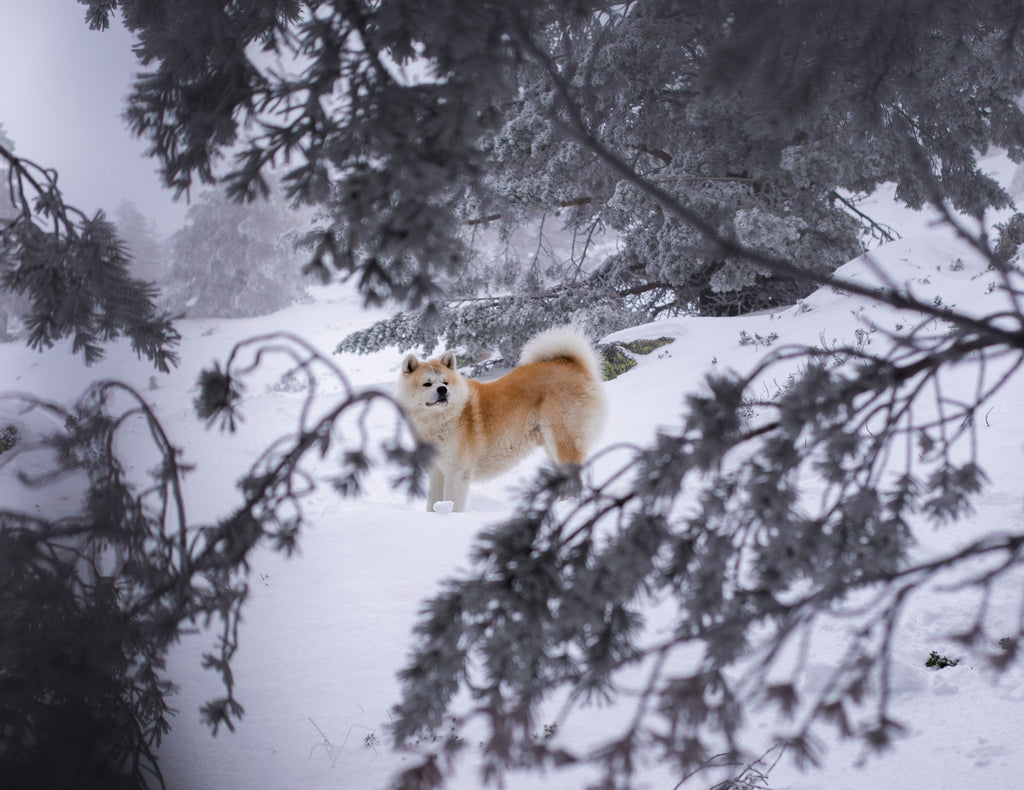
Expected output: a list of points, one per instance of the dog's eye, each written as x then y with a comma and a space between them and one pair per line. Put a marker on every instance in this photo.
427, 384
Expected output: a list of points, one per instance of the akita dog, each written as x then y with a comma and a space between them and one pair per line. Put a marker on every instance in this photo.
553, 399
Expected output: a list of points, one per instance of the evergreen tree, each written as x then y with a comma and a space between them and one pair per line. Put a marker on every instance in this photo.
699, 102
11, 305
142, 239
233, 259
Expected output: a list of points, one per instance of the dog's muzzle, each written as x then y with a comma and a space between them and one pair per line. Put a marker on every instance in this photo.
442, 397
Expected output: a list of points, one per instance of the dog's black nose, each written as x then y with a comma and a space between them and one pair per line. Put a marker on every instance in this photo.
442, 390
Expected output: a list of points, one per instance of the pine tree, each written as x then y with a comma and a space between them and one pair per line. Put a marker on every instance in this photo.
11, 305
143, 242
233, 259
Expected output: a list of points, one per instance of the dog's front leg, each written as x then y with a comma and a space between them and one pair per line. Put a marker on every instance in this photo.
456, 488
435, 493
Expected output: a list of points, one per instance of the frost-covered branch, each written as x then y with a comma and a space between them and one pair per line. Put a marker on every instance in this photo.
577, 127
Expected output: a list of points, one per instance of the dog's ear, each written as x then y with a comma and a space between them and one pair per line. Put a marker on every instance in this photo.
410, 363
448, 359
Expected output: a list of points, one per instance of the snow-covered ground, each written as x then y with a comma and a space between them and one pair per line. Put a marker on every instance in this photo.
325, 632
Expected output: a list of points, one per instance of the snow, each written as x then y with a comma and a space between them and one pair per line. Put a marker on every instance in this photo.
326, 631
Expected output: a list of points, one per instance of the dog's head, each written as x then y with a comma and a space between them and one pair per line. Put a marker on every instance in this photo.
431, 385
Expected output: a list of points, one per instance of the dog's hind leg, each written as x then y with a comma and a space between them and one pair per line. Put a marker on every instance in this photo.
567, 451
562, 446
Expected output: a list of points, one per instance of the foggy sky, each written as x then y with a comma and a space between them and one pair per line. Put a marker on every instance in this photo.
62, 90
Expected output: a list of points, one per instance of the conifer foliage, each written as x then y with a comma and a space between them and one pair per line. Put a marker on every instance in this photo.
769, 145
73, 271
416, 125
718, 161
90, 603
699, 571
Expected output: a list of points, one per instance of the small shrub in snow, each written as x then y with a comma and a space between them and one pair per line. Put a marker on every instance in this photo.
756, 340
617, 357
935, 661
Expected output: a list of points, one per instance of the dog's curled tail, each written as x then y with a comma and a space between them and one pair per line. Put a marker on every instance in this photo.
563, 342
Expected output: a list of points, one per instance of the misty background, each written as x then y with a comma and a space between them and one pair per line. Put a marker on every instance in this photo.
61, 100
61, 106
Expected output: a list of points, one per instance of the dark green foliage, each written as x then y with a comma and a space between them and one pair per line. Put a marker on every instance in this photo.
1011, 236
935, 661
648, 120
393, 152
713, 139
481, 326
646, 345
614, 361
81, 705
79, 287
87, 619
756, 340
607, 105
752, 134
830, 80
218, 397
617, 358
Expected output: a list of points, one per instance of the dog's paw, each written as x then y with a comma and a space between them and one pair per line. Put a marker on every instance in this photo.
445, 506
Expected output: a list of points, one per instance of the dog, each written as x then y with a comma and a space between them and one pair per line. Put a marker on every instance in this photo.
552, 399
